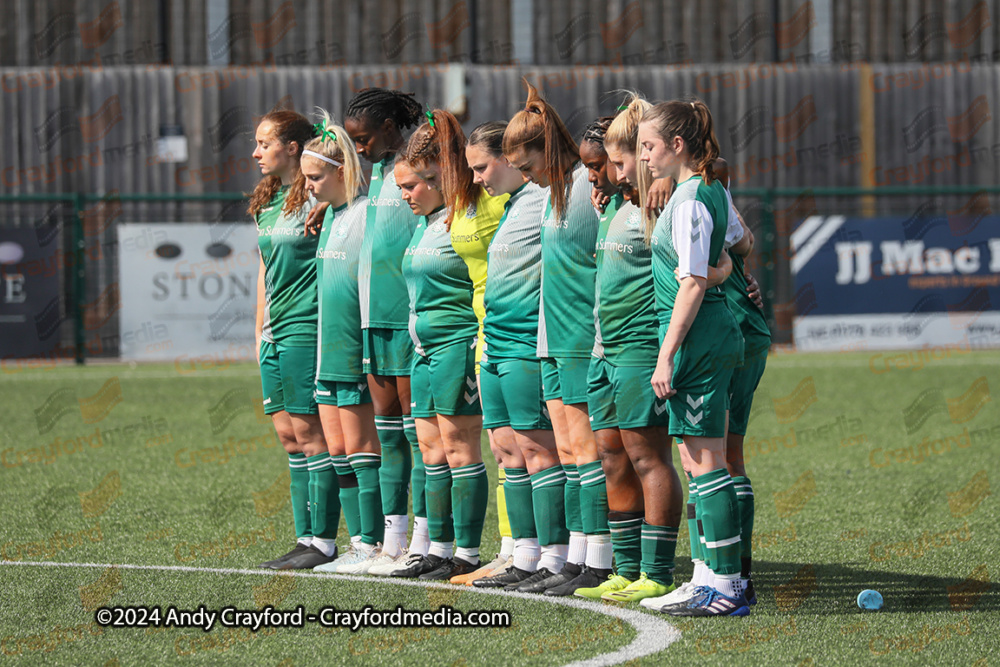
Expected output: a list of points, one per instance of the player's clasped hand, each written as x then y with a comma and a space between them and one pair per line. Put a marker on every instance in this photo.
314, 222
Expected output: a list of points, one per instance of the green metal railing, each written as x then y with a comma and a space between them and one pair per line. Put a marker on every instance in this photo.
79, 201
766, 227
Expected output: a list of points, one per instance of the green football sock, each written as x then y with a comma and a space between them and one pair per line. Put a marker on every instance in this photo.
720, 520
692, 521
659, 544
298, 467
348, 483
366, 467
548, 499
626, 540
417, 474
744, 498
324, 503
470, 493
394, 475
438, 489
571, 499
517, 490
593, 499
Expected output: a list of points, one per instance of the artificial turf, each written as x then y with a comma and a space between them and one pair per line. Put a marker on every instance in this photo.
870, 470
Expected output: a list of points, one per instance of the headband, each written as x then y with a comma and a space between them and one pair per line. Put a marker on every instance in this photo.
322, 157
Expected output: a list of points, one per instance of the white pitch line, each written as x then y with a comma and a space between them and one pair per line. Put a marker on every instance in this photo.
652, 634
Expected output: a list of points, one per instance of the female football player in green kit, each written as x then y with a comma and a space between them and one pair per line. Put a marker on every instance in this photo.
332, 172
538, 143
743, 295
444, 328
437, 153
375, 119
510, 373
286, 329
701, 341
624, 491
491, 171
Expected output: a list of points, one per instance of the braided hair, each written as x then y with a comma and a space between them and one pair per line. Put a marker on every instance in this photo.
443, 143
376, 105
594, 133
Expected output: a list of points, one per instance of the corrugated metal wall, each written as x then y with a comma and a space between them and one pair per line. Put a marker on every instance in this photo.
780, 125
565, 32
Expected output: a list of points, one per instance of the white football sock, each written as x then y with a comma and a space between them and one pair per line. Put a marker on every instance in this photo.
326, 546
577, 553
468, 554
599, 551
395, 534
526, 553
421, 538
506, 548
553, 557
440, 549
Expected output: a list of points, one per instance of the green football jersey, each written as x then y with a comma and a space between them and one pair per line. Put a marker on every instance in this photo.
339, 345
689, 236
566, 314
602, 231
748, 315
389, 226
439, 287
290, 309
513, 278
625, 278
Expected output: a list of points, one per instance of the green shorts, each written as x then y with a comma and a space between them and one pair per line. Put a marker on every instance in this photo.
703, 366
744, 383
444, 382
600, 396
387, 352
551, 390
565, 379
287, 378
342, 394
512, 395
636, 404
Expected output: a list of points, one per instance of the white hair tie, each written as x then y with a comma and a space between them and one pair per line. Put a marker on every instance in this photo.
322, 157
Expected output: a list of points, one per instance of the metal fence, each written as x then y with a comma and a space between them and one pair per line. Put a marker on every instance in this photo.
537, 32
84, 228
82, 231
779, 125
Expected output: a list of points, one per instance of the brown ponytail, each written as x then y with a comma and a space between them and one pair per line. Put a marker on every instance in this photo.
289, 126
691, 121
444, 143
539, 127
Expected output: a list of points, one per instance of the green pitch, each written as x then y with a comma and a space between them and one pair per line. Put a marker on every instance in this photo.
870, 470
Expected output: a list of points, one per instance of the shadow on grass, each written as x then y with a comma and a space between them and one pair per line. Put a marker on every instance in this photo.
822, 588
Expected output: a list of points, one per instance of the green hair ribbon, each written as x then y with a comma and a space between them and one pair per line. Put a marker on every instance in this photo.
430, 117
323, 132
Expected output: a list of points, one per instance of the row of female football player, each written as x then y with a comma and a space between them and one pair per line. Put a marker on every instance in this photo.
485, 283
